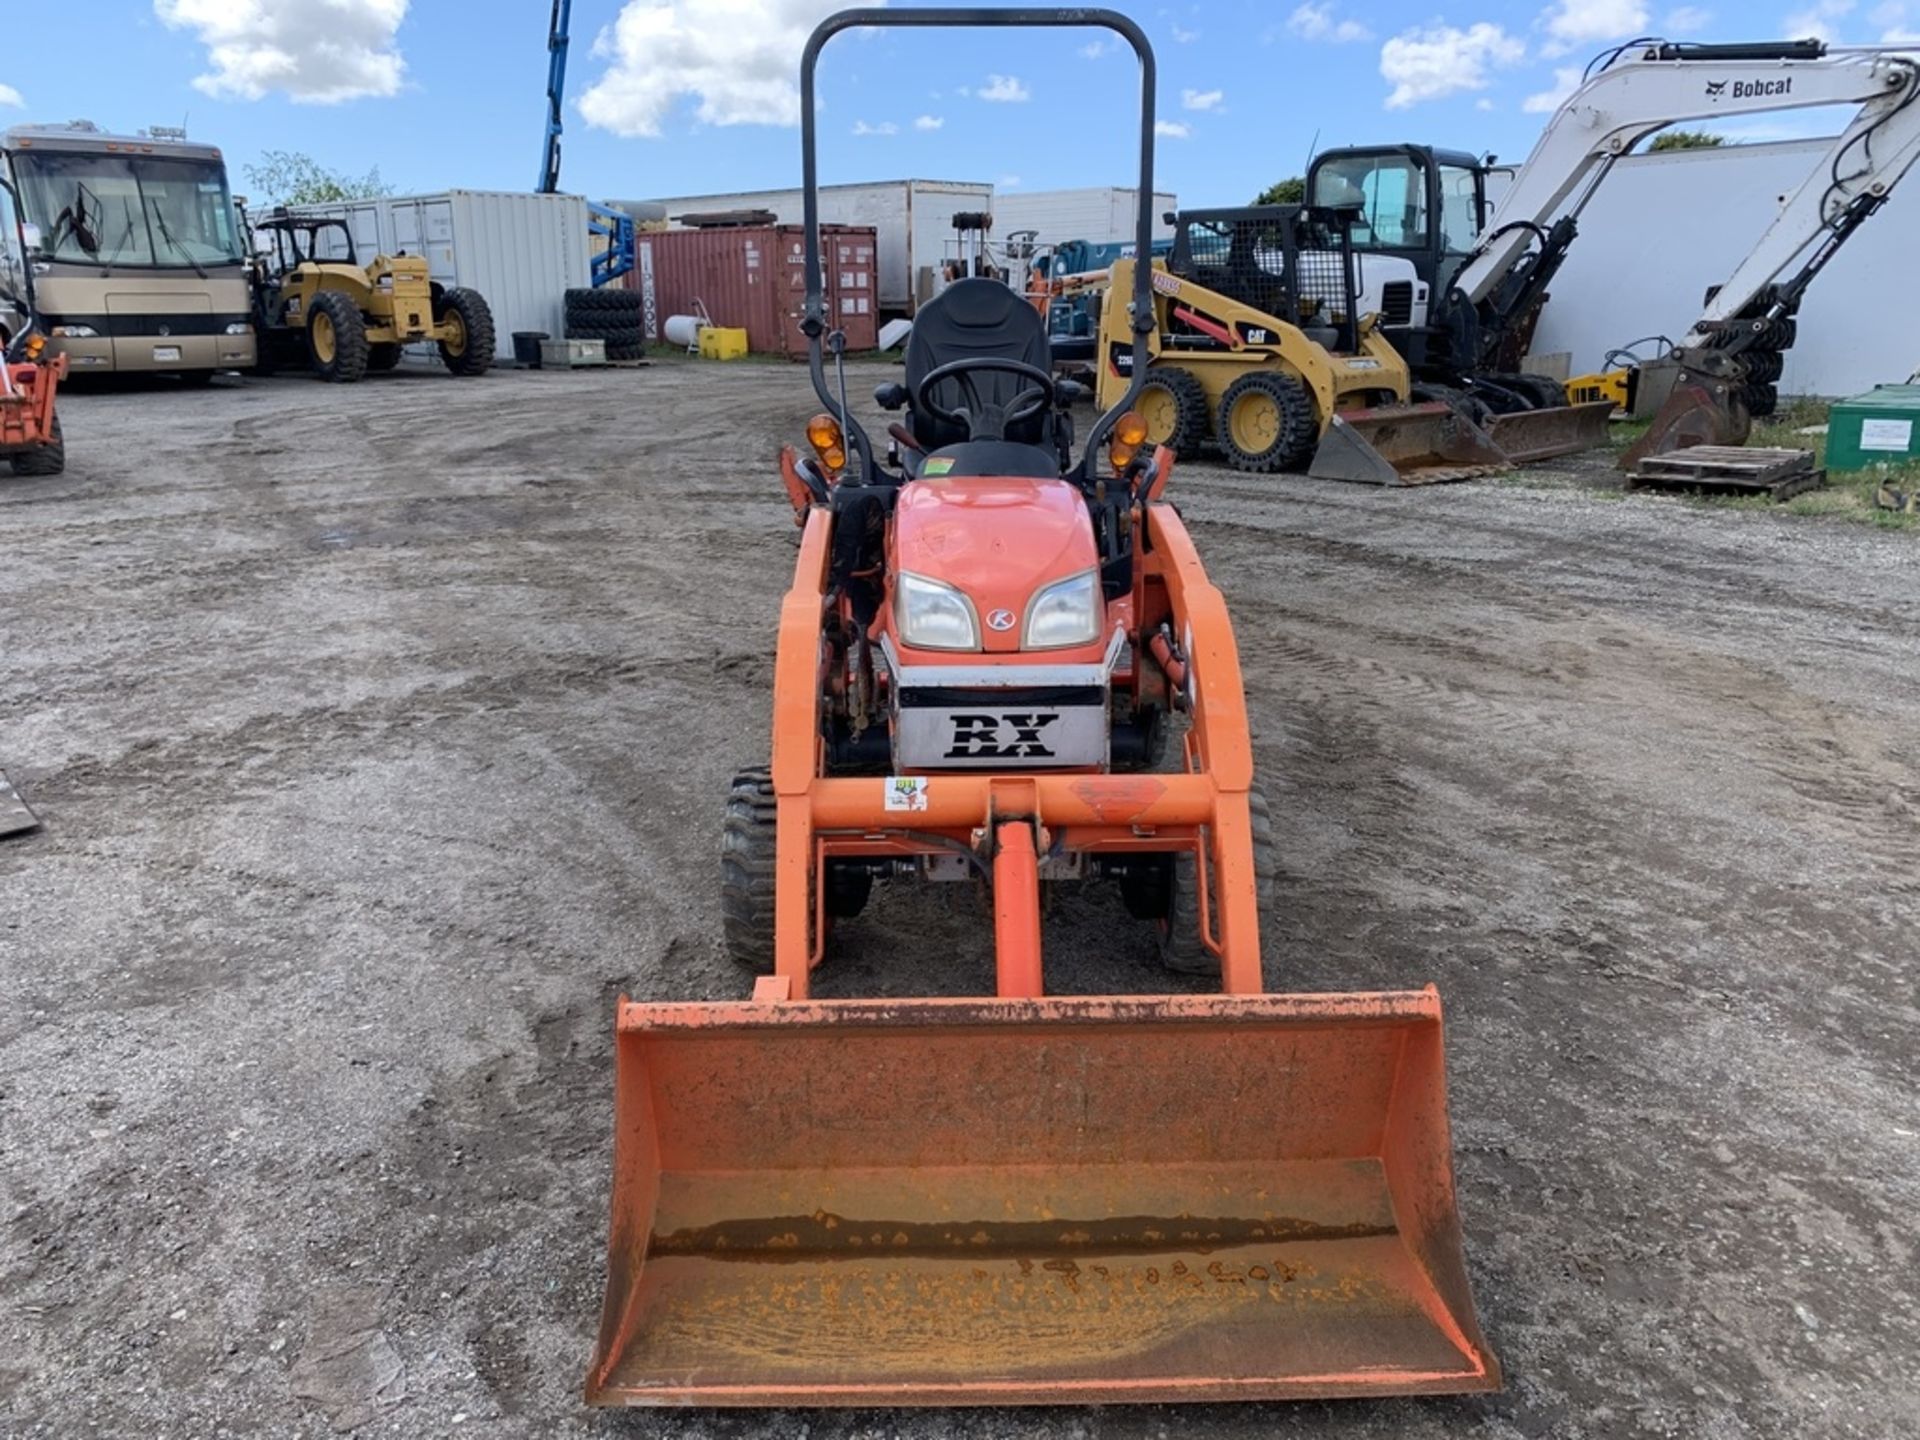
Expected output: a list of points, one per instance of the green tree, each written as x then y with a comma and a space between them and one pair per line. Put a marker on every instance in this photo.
1686, 140
288, 177
1291, 191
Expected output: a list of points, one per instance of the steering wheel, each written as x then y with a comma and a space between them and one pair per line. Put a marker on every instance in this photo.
983, 419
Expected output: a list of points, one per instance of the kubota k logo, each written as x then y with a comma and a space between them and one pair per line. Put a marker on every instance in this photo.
1000, 619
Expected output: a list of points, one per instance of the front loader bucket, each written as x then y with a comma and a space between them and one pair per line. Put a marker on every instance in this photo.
1528, 435
944, 1202
1405, 445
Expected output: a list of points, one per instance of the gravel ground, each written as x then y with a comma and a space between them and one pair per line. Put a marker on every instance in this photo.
380, 736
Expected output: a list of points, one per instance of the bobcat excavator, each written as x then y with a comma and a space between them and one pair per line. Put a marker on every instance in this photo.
1028, 1197
1480, 286
1266, 341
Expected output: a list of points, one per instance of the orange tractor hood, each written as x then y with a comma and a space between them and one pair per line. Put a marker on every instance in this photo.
997, 540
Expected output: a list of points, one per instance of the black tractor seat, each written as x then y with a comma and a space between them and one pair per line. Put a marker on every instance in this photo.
978, 317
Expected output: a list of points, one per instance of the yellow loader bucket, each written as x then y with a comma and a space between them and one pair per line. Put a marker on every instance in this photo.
1405, 445
944, 1202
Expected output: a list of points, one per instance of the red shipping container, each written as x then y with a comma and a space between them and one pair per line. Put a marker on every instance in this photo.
754, 279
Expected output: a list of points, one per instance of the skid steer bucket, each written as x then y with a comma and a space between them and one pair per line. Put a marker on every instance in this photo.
1026, 1201
1528, 435
1405, 445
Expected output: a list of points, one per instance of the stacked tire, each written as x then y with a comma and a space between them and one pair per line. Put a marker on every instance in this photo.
609, 314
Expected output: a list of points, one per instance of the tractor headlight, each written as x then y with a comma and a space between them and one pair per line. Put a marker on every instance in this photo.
933, 615
75, 332
1066, 613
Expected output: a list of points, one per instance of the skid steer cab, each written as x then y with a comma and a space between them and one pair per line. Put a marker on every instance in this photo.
317, 307
1001, 665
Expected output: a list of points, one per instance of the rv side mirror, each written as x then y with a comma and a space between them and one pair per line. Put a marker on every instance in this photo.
1170, 217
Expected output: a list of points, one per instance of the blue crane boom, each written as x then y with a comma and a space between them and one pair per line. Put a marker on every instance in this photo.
614, 225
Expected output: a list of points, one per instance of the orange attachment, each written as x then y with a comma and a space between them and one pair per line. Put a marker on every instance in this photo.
26, 402
1016, 912
1030, 1201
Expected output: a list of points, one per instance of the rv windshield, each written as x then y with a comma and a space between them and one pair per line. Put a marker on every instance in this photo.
127, 210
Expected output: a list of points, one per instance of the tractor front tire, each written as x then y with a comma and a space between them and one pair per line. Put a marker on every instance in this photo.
1182, 949
1173, 402
48, 459
336, 338
468, 349
1266, 423
747, 863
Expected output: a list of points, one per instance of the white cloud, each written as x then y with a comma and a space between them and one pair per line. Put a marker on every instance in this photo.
317, 51
1573, 24
929, 122
1442, 60
1483, 104
1688, 20
1007, 182
1004, 89
885, 127
1820, 20
11, 96
1184, 37
1312, 21
1202, 99
1566, 80
1173, 129
738, 61
1094, 49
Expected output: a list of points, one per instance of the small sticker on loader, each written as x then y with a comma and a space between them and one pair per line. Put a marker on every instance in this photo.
906, 792
937, 467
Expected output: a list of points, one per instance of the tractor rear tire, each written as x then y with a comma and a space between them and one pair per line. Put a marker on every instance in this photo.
336, 338
1181, 948
1266, 423
382, 358
471, 351
1173, 402
747, 864
48, 459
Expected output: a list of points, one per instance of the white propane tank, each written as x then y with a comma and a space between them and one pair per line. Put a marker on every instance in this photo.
684, 330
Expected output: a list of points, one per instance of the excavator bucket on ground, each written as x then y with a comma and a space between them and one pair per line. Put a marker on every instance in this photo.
1528, 435
1702, 410
1421, 444
1020, 1202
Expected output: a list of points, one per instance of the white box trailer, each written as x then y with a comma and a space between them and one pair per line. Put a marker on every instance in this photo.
522, 252
1662, 228
1100, 214
912, 221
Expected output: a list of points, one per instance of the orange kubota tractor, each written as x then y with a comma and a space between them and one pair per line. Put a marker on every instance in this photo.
30, 437
1026, 1197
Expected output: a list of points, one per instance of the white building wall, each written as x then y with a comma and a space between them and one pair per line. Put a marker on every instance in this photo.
1662, 228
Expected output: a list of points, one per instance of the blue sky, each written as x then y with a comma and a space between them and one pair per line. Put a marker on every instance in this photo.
684, 96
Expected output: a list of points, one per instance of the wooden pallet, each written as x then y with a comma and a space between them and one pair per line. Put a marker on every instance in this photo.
1730, 470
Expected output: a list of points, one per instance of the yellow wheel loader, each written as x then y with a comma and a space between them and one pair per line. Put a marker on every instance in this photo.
1259, 344
343, 319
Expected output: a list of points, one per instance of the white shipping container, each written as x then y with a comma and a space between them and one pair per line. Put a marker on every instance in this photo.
1101, 214
522, 252
1662, 228
912, 221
